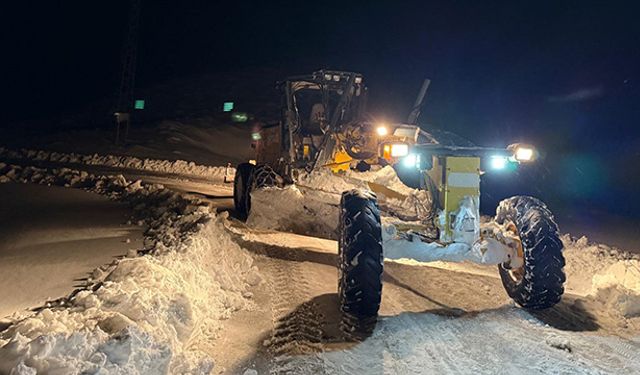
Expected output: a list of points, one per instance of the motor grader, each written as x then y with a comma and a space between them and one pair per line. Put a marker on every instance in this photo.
324, 125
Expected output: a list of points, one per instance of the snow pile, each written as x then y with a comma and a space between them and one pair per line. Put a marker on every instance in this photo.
312, 206
129, 162
327, 181
291, 209
145, 315
609, 275
386, 176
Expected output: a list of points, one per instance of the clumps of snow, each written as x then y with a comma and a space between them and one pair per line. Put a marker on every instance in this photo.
292, 209
560, 343
608, 275
152, 314
327, 181
386, 176
312, 205
180, 167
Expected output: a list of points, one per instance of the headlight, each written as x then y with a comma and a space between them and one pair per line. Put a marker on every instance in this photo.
498, 162
411, 161
382, 130
399, 150
524, 154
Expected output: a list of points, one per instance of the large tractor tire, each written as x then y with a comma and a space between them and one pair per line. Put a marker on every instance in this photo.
241, 198
539, 283
264, 176
360, 260
249, 178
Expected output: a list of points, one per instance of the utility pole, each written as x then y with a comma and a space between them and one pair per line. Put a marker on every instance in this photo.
124, 106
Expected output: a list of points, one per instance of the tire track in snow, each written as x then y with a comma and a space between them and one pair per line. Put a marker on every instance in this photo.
435, 338
297, 324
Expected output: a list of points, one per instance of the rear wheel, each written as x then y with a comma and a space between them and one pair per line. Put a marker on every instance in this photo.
360, 260
539, 283
241, 189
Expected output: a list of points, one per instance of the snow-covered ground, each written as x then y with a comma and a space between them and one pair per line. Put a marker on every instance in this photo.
214, 294
502, 341
51, 237
148, 314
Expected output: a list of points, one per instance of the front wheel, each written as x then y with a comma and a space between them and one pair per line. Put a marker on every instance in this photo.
360, 260
539, 283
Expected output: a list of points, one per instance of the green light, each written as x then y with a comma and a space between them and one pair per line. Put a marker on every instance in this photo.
239, 117
256, 136
227, 107
139, 104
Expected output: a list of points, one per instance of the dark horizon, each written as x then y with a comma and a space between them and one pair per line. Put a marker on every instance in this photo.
501, 68
561, 75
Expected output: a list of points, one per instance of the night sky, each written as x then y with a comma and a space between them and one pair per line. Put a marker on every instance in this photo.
565, 75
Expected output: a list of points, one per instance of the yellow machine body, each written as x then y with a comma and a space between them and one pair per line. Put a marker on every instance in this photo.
455, 177
341, 161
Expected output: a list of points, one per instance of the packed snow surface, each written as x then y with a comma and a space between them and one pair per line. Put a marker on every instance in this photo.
51, 237
504, 341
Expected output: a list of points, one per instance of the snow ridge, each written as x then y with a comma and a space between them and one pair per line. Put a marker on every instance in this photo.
129, 162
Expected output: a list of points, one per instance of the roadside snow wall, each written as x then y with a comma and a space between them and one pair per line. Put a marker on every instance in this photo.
129, 162
149, 314
608, 275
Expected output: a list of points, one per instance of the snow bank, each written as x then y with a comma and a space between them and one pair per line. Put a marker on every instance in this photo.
114, 161
609, 275
144, 315
292, 210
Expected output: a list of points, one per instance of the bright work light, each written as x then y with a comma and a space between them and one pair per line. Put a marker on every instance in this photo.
382, 130
399, 150
411, 160
498, 162
524, 154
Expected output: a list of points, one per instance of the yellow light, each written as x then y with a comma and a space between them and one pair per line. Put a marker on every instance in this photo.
524, 154
382, 130
386, 152
399, 150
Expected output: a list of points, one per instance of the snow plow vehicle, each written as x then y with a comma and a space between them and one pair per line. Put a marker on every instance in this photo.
324, 126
